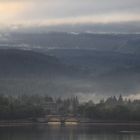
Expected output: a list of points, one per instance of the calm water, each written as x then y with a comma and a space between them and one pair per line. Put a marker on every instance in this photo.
93, 132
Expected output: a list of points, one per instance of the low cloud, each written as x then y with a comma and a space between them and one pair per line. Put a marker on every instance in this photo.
133, 96
66, 12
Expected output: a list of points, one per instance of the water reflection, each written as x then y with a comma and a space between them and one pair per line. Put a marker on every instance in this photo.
84, 132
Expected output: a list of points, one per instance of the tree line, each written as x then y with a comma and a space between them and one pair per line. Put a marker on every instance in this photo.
112, 109
36, 106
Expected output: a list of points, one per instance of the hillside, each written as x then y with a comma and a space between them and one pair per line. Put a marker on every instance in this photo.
23, 62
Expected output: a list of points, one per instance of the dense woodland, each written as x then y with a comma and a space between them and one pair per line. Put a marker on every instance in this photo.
112, 109
35, 106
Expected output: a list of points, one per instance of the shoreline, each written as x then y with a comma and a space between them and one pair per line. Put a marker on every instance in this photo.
96, 123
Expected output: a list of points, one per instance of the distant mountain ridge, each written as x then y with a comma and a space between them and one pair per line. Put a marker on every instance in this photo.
23, 62
125, 43
63, 64
29, 72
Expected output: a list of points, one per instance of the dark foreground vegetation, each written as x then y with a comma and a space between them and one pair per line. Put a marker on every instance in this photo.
35, 106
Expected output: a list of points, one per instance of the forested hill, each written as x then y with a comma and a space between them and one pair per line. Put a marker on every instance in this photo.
29, 72
22, 62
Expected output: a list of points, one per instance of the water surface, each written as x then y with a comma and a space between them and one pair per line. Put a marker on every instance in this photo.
83, 132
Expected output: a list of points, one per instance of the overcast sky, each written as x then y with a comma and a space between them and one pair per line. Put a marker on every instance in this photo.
68, 12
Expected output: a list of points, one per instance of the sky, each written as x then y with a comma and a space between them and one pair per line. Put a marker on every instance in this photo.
121, 16
68, 12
